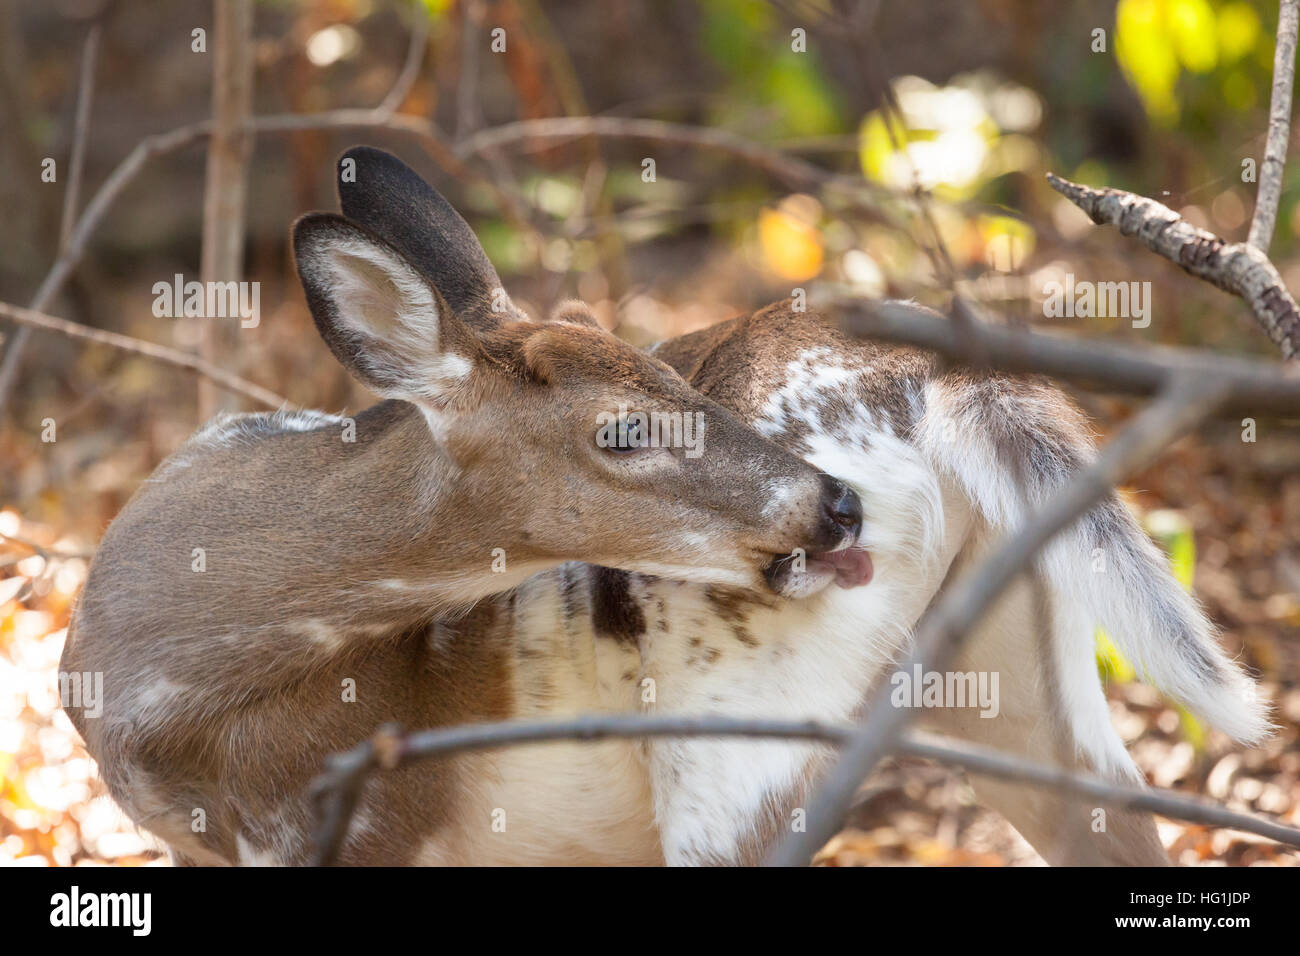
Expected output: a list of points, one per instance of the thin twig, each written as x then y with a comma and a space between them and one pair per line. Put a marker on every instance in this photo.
410, 71
17, 345
983, 760
1269, 192
336, 791
47, 554
788, 169
467, 110
1237, 267
30, 318
81, 131
940, 634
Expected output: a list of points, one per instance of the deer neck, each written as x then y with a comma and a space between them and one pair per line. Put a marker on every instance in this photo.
375, 511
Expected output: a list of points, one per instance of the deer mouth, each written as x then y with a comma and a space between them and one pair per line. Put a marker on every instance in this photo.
791, 577
852, 566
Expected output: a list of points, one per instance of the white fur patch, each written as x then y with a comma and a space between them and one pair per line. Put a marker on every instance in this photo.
155, 701
319, 632
807, 379
816, 658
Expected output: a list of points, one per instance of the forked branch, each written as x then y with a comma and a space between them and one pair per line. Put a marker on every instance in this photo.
1236, 267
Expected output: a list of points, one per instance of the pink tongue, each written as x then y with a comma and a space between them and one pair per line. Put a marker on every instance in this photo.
852, 566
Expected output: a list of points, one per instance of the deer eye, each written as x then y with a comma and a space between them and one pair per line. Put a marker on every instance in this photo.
626, 437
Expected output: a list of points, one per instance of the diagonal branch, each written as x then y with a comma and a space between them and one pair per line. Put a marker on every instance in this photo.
1255, 386
1269, 192
940, 634
30, 318
1238, 267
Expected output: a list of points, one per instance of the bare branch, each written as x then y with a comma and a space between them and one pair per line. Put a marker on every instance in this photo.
1254, 386
17, 345
994, 763
792, 171
81, 131
1237, 267
336, 791
943, 629
467, 109
414, 60
161, 144
30, 318
1269, 192
47, 555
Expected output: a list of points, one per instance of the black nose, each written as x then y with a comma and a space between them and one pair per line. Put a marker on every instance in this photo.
841, 508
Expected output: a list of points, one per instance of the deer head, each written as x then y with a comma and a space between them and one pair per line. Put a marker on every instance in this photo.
563, 440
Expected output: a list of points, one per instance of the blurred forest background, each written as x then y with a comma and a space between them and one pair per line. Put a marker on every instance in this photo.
992, 94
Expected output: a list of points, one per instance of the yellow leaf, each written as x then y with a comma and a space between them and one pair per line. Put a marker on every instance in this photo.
792, 248
1191, 23
1110, 661
1238, 29
1146, 51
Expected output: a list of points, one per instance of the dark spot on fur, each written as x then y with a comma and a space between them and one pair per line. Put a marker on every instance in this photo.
733, 606
730, 604
614, 612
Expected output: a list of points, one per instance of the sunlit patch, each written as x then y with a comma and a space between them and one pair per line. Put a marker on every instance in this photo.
334, 43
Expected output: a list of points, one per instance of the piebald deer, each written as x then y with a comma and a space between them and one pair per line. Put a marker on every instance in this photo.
286, 583
946, 461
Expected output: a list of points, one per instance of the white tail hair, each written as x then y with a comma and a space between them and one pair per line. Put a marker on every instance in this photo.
1010, 444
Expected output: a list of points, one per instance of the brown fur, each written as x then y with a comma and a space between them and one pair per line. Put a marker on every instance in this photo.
327, 559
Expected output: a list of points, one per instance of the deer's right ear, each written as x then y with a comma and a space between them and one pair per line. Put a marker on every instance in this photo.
383, 320
381, 193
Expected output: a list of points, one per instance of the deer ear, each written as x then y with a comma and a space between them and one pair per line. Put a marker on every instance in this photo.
384, 321
383, 194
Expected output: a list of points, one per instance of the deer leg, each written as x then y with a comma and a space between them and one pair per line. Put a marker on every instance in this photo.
1033, 720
